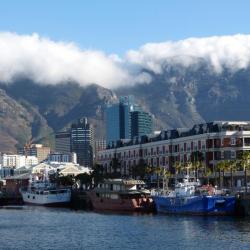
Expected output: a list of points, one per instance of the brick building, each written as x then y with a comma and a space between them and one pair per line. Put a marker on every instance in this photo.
213, 142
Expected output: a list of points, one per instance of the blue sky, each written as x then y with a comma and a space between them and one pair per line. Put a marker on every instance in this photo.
116, 26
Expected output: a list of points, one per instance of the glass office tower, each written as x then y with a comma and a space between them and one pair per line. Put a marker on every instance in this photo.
82, 142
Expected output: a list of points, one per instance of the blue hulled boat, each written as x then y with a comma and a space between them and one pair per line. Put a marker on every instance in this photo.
188, 198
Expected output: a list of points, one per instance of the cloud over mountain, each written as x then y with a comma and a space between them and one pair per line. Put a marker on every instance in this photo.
232, 52
45, 61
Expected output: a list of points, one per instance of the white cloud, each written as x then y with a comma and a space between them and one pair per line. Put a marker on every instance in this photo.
232, 52
47, 61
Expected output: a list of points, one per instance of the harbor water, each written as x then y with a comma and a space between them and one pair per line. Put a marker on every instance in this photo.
30, 227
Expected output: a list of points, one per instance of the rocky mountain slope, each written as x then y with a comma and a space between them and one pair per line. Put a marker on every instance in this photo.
178, 97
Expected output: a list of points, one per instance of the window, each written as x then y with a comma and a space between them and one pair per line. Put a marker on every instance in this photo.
233, 141
233, 154
222, 154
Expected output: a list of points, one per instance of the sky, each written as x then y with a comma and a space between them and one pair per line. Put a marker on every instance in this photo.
118, 42
115, 26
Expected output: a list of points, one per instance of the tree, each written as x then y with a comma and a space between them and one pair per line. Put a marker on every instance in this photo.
139, 170
221, 167
166, 174
66, 180
115, 165
232, 165
207, 173
85, 179
98, 174
245, 162
197, 159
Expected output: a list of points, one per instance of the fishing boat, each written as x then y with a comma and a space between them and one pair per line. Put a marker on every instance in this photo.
46, 194
189, 197
121, 195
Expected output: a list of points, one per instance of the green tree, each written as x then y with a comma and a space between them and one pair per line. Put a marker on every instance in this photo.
221, 167
98, 174
232, 166
139, 170
245, 163
85, 180
66, 180
115, 165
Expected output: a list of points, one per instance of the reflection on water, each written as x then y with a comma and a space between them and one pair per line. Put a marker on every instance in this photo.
50, 228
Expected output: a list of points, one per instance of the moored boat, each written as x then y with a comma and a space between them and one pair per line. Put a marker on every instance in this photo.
188, 198
121, 195
46, 194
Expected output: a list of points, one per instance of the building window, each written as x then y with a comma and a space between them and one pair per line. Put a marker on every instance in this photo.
233, 154
222, 154
233, 141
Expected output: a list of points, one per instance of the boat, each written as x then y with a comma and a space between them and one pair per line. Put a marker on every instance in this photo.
46, 194
189, 197
121, 195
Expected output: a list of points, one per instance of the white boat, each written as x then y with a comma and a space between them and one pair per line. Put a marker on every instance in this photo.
46, 194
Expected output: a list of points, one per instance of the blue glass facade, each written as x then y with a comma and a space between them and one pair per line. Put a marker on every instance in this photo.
119, 120
113, 123
141, 123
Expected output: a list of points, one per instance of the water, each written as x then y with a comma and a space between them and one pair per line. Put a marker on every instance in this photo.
50, 228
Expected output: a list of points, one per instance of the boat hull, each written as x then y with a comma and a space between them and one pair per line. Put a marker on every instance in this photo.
123, 205
200, 205
60, 199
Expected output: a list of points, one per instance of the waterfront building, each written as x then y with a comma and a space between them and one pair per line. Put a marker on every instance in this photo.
82, 142
63, 142
210, 142
141, 123
15, 183
38, 150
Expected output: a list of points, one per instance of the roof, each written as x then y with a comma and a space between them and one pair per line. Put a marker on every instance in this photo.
124, 181
18, 177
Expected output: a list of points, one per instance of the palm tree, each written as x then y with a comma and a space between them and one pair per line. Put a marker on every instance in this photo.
207, 173
232, 165
221, 167
178, 169
157, 171
245, 162
166, 174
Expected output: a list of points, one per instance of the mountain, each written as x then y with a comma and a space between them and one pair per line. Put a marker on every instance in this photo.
181, 97
177, 97
39, 110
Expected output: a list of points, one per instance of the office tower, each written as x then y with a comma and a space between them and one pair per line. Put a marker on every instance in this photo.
118, 119
141, 123
82, 142
63, 142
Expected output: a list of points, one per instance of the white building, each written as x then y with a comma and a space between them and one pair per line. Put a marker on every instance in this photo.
17, 161
62, 157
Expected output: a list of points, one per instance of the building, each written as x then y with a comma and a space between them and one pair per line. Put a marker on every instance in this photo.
62, 157
63, 142
124, 116
141, 123
82, 142
6, 171
15, 183
17, 161
38, 150
100, 145
211, 142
